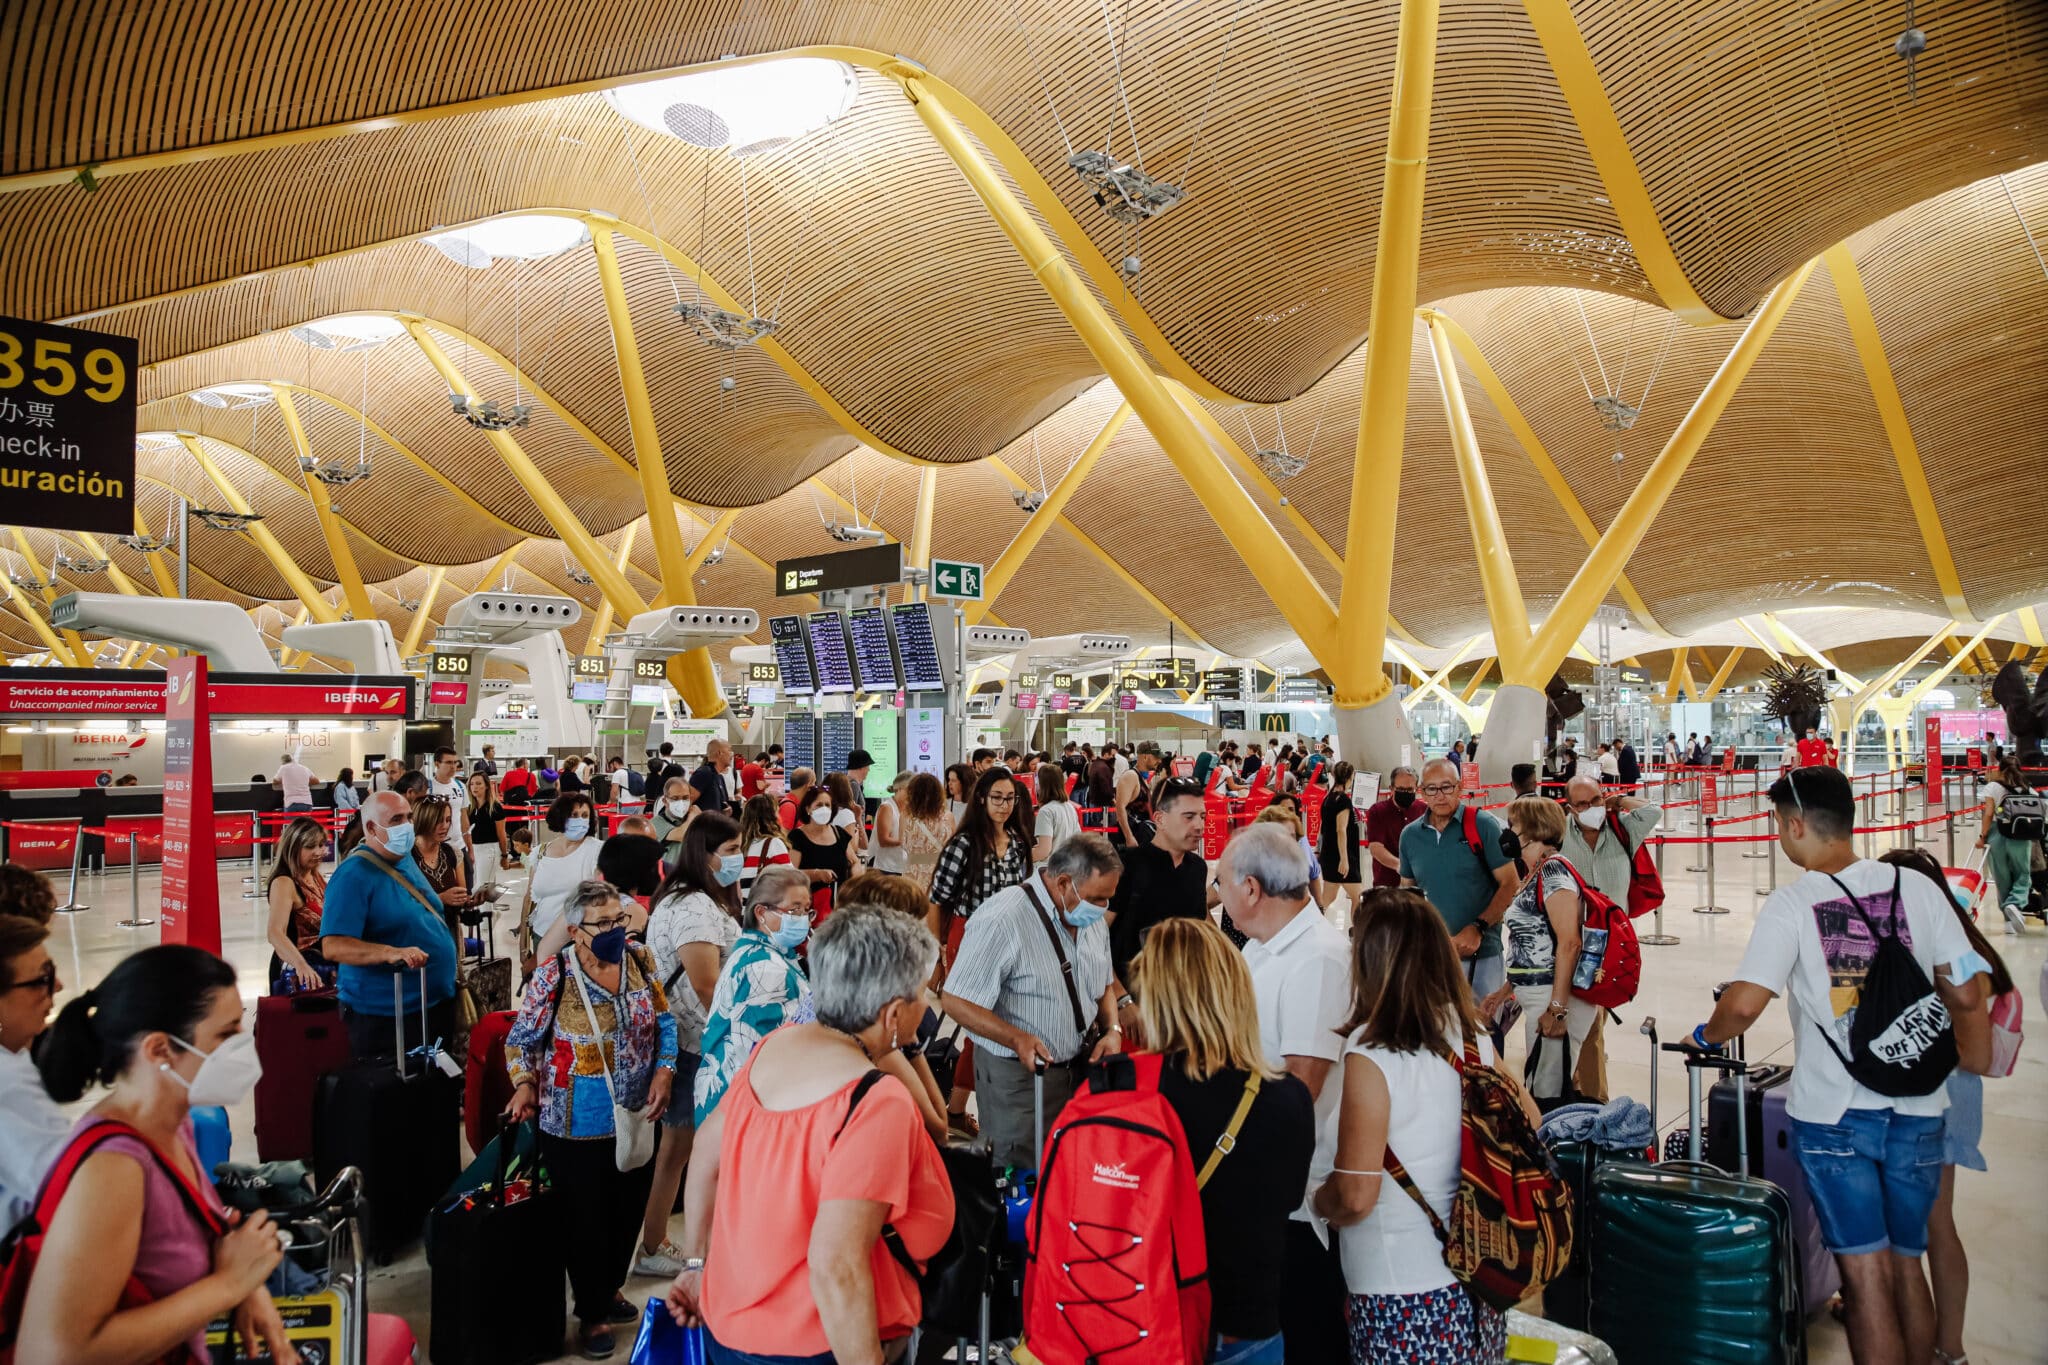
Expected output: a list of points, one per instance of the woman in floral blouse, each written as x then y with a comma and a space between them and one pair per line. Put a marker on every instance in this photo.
761, 987
594, 1030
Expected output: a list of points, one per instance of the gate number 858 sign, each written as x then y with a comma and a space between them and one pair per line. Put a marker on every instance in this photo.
67, 427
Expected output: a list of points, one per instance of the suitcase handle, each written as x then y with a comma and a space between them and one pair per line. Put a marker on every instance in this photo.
1696, 1062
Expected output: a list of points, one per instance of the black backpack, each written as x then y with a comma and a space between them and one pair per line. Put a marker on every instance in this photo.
1901, 1039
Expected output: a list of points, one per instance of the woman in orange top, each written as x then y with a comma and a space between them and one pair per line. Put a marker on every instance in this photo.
811, 1154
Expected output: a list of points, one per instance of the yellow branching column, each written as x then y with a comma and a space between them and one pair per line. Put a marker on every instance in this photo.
691, 670
287, 568
1371, 731
350, 577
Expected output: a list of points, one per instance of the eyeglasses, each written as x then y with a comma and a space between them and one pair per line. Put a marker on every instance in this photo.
599, 926
1440, 789
1002, 798
45, 980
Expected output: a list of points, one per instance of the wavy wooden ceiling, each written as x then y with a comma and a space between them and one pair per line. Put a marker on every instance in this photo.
1763, 135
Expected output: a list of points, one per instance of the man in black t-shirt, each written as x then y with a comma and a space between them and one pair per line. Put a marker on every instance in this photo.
1163, 879
709, 779
1071, 762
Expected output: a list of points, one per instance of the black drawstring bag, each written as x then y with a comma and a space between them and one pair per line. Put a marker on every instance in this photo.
1901, 1039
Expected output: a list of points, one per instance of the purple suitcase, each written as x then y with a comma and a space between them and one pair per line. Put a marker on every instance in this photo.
1771, 1156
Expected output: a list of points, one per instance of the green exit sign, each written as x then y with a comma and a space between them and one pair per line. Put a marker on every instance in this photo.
950, 579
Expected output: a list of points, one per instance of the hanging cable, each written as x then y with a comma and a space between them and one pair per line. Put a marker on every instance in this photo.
747, 233
2022, 220
647, 207
1117, 65
1579, 298
1031, 54
1202, 120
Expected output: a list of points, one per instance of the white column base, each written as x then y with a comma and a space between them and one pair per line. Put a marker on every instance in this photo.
1514, 731
1375, 738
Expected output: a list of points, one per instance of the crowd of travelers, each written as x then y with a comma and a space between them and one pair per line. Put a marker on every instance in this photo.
779, 996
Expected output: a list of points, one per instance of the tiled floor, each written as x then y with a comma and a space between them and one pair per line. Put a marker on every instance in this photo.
2003, 1214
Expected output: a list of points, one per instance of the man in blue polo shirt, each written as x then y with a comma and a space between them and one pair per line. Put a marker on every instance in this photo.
381, 921
1472, 898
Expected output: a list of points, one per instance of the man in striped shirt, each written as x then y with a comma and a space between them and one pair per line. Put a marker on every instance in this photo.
1033, 974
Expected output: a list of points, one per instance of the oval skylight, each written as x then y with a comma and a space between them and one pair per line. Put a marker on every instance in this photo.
748, 110
521, 237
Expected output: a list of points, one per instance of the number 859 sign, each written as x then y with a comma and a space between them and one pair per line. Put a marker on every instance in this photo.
67, 427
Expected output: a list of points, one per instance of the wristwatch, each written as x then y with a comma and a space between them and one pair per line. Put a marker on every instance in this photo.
1561, 1011
693, 1263
1125, 1001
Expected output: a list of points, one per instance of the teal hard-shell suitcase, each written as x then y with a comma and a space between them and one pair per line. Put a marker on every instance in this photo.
1690, 1265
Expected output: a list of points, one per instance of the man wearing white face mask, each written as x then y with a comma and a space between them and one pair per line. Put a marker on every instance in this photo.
1601, 840
673, 812
381, 918
1034, 986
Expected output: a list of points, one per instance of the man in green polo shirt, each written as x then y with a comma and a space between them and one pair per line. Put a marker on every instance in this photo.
1471, 890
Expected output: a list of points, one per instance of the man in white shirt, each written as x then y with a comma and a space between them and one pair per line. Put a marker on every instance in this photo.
1301, 979
296, 781
1862, 1152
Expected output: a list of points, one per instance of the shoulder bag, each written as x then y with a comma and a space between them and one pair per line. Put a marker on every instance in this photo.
632, 1134
1091, 1032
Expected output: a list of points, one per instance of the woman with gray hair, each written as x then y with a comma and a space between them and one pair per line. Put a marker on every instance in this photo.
594, 1048
813, 1155
761, 986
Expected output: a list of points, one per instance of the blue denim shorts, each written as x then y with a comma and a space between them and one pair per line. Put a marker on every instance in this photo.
1873, 1177
679, 1113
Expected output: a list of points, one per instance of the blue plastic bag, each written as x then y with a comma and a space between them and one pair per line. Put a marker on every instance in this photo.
662, 1342
210, 1134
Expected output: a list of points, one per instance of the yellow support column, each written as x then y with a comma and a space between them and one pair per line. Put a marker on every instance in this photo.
593, 642
1721, 674
1383, 408
351, 578
285, 655
411, 645
166, 582
74, 650
1497, 579
1011, 561
690, 670
1676, 682
123, 584
287, 569
1478, 677
568, 528
58, 652
921, 528
1596, 577
1300, 599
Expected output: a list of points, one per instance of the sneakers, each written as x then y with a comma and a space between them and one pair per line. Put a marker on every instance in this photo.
2015, 922
596, 1342
665, 1260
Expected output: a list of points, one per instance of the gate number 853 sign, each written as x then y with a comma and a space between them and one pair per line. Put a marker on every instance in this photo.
67, 427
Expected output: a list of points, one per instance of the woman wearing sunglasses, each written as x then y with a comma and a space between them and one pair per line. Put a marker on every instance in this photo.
32, 1129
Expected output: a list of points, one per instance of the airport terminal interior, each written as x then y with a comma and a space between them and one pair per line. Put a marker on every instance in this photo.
1257, 408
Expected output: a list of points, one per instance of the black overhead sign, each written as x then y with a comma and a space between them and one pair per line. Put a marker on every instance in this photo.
67, 427
862, 568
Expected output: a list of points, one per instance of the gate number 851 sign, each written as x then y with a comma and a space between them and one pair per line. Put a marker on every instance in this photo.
67, 427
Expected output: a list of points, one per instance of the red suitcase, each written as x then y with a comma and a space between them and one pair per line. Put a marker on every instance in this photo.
299, 1038
486, 1085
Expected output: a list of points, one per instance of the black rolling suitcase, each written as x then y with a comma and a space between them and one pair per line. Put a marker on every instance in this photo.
398, 1122
497, 1261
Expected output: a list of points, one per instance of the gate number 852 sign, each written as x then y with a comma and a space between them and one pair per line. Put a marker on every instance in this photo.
67, 427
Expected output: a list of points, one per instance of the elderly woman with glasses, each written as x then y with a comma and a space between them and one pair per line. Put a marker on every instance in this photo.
760, 988
813, 1154
594, 1047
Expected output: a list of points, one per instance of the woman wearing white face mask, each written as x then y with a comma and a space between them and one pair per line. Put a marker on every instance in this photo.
761, 987
821, 848
691, 932
164, 1033
561, 865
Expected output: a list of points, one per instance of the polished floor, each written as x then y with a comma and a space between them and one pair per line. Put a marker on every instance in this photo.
2003, 1214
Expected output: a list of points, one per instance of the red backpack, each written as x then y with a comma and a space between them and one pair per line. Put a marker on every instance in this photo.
1117, 1218
24, 1244
1645, 882
1620, 973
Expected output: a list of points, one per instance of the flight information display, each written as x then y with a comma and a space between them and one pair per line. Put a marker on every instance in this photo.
800, 741
792, 656
828, 648
836, 738
917, 647
871, 652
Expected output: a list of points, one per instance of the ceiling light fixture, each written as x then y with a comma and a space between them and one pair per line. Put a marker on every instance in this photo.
70, 565
746, 110
1124, 192
337, 476
233, 396
486, 415
145, 545
724, 329
1279, 464
349, 332
852, 534
521, 237
226, 521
